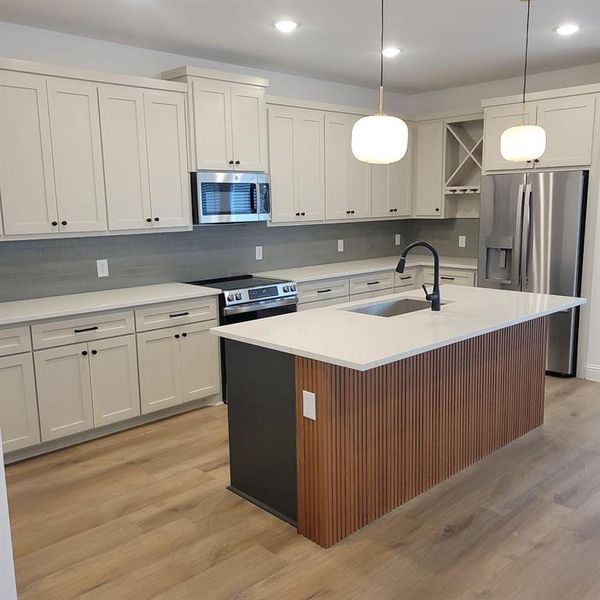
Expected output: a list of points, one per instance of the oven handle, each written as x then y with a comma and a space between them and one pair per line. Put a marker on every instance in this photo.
256, 306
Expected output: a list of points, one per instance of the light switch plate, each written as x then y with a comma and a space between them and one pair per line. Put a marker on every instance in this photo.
397, 239
340, 245
309, 405
102, 267
259, 252
462, 241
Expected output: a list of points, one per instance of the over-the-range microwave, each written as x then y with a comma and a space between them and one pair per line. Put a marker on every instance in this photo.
230, 197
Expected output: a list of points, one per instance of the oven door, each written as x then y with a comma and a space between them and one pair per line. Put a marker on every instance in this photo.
226, 197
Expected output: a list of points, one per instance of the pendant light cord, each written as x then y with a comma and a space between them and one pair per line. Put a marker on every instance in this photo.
526, 57
381, 65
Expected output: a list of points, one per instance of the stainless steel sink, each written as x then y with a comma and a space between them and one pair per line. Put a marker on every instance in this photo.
392, 308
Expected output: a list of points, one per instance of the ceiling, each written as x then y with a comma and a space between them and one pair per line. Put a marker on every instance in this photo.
445, 43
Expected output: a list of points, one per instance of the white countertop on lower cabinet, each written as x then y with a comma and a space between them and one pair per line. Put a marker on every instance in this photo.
363, 341
360, 267
37, 309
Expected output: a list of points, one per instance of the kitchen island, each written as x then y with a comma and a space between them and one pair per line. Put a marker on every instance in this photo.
338, 415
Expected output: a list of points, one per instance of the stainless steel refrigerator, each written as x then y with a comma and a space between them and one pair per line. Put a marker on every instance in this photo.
531, 239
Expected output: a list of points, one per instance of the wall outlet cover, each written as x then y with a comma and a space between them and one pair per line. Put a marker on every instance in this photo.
309, 405
102, 267
340, 245
397, 239
462, 241
259, 252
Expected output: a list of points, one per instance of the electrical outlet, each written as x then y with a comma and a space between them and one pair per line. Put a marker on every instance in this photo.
340, 245
102, 267
259, 252
397, 239
462, 241
309, 405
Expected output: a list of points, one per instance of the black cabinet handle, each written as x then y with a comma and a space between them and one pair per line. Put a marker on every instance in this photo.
54, 223
323, 291
373, 282
352, 212
447, 278
176, 336
537, 160
148, 220
184, 335
181, 314
84, 353
297, 214
156, 219
94, 352
303, 214
230, 162
437, 210
63, 222
93, 328
237, 162
406, 277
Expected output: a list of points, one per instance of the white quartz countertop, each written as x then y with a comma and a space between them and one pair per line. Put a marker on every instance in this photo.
360, 267
363, 341
36, 309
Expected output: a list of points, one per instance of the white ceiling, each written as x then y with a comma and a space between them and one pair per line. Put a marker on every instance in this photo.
446, 43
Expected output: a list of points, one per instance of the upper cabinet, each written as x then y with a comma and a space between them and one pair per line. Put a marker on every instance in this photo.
80, 156
390, 188
428, 181
569, 125
228, 120
296, 164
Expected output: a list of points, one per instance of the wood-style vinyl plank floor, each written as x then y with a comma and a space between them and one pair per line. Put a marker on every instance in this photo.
146, 514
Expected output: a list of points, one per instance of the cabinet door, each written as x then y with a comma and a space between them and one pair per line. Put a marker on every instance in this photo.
569, 125
337, 163
77, 155
26, 172
496, 120
249, 128
309, 160
125, 161
159, 360
167, 160
359, 179
390, 190
282, 163
428, 190
212, 125
114, 379
201, 373
64, 391
18, 403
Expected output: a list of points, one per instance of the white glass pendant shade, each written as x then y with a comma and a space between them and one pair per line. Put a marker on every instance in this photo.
523, 143
379, 139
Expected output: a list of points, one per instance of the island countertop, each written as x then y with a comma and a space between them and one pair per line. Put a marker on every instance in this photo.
363, 341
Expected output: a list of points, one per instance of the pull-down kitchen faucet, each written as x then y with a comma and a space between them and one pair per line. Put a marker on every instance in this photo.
434, 297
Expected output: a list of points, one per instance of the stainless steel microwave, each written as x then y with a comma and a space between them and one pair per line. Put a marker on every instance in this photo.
230, 197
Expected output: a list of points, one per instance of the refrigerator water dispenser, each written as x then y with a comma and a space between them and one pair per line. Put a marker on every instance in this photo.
498, 262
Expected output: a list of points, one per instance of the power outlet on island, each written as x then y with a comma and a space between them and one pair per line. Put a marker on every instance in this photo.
102, 267
462, 241
340, 245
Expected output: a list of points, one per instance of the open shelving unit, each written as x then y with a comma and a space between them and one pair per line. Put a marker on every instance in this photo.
462, 167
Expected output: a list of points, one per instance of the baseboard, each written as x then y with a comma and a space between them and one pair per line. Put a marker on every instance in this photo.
592, 372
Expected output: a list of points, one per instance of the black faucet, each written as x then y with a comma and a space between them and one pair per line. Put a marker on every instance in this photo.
434, 297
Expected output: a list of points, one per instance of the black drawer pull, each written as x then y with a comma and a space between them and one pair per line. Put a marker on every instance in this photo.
86, 329
324, 291
184, 334
406, 277
373, 282
448, 278
94, 352
181, 314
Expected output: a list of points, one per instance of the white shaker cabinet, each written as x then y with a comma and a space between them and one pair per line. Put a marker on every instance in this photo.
347, 180
26, 171
77, 155
296, 147
64, 391
200, 366
390, 189
428, 170
114, 379
18, 402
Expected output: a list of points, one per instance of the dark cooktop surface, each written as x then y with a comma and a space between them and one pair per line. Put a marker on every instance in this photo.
237, 282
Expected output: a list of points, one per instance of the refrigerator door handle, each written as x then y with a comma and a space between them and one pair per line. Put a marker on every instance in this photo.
526, 235
517, 245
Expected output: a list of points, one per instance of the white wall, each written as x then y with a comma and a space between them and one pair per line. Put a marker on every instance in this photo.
42, 45
8, 590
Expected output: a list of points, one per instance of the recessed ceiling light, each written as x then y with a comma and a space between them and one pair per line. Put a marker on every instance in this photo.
567, 29
391, 52
286, 26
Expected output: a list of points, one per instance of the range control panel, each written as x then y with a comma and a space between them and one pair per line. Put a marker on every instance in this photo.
263, 292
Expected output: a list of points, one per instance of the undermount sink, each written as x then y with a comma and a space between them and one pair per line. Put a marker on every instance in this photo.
392, 308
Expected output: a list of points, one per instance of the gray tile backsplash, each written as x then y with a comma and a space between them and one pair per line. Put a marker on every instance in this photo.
30, 269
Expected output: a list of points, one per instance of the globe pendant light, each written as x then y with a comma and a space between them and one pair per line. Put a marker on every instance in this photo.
523, 143
380, 139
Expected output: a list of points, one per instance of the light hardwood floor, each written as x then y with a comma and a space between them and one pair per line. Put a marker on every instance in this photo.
145, 514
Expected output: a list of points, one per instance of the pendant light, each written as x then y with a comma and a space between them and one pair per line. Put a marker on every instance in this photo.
523, 143
380, 139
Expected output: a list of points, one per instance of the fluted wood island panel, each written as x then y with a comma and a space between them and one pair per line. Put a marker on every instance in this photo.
383, 436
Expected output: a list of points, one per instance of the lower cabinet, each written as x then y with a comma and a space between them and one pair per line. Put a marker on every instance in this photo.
81, 386
178, 364
18, 404
368, 295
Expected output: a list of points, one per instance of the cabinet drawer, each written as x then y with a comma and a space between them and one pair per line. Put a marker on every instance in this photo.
322, 303
323, 290
85, 328
175, 313
14, 340
368, 295
381, 280
407, 280
453, 276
